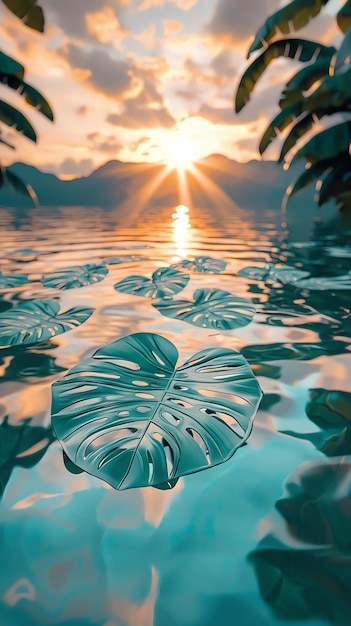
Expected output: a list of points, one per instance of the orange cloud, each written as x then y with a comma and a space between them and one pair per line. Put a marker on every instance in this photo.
105, 27
171, 27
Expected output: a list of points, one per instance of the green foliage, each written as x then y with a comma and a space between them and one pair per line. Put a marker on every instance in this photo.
322, 88
12, 74
129, 416
28, 11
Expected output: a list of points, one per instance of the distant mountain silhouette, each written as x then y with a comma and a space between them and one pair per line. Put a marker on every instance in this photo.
253, 185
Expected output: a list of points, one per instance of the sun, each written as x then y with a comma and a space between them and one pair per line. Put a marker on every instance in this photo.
180, 154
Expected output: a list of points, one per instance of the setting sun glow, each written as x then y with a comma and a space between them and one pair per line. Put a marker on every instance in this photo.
180, 153
181, 229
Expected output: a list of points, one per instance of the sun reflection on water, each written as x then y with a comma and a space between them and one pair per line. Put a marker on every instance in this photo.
181, 229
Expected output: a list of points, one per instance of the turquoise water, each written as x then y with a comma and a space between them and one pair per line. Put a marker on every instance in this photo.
261, 539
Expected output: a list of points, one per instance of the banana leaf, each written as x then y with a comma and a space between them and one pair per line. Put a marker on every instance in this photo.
14, 181
304, 79
326, 145
342, 59
302, 50
331, 185
28, 11
343, 17
277, 125
290, 18
12, 117
32, 96
310, 174
8, 65
299, 130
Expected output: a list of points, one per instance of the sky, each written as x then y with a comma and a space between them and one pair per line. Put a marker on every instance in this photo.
144, 80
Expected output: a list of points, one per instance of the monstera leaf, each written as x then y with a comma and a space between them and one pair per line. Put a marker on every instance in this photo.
164, 282
22, 445
119, 260
37, 321
202, 265
28, 11
323, 283
8, 281
211, 308
74, 277
130, 417
292, 17
283, 274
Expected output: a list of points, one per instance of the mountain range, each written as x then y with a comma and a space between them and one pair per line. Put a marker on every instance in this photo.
255, 185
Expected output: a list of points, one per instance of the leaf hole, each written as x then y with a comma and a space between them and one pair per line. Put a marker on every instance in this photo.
170, 418
151, 467
143, 409
128, 364
200, 442
145, 395
158, 358
182, 403
140, 383
124, 413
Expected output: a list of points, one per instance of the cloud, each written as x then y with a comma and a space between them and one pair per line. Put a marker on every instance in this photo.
109, 76
185, 5
237, 21
134, 145
70, 15
171, 27
104, 143
105, 27
71, 167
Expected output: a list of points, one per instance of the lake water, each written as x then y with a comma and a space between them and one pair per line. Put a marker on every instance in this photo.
260, 539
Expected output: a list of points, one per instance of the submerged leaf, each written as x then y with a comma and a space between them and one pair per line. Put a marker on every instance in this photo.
202, 265
119, 260
76, 276
165, 281
129, 417
37, 321
211, 308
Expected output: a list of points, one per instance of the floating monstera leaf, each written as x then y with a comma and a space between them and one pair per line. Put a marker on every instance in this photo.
38, 320
202, 265
211, 308
76, 276
14, 280
165, 281
327, 284
130, 417
119, 260
283, 274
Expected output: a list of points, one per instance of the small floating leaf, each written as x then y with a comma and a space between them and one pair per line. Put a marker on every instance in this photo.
283, 274
38, 320
165, 281
129, 417
77, 276
14, 280
202, 265
211, 308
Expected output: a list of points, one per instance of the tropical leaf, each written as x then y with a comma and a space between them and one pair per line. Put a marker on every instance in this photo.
9, 66
342, 59
6, 143
76, 276
292, 17
28, 11
310, 174
211, 308
299, 49
8, 177
323, 283
332, 184
37, 321
26, 365
21, 445
119, 260
305, 78
202, 265
278, 124
165, 281
343, 17
14, 280
299, 351
10, 116
129, 417
299, 130
282, 274
327, 144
